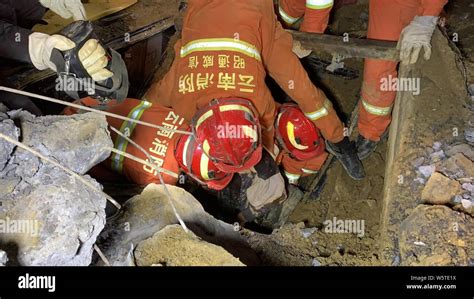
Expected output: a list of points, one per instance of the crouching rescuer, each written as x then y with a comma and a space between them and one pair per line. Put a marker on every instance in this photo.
226, 50
255, 195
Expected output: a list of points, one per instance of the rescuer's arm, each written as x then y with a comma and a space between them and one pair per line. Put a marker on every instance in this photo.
283, 66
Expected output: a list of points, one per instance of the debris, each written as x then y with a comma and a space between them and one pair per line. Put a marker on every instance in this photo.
439, 189
459, 166
78, 142
468, 186
437, 156
307, 232
146, 214
315, 263
61, 214
419, 243
8, 128
464, 149
447, 234
420, 180
172, 246
427, 170
467, 204
3, 257
436, 146
417, 162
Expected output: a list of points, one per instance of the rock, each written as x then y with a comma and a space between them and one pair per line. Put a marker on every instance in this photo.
307, 232
436, 146
437, 156
3, 257
62, 216
467, 204
459, 166
448, 236
315, 263
146, 214
427, 170
8, 128
464, 149
172, 246
417, 162
67, 217
469, 187
439, 190
78, 142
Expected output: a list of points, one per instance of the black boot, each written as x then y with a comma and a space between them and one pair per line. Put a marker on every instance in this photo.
345, 152
365, 147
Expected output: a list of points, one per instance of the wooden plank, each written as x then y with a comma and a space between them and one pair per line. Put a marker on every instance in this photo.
95, 9
353, 47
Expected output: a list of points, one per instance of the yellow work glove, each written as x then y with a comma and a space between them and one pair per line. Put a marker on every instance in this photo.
94, 59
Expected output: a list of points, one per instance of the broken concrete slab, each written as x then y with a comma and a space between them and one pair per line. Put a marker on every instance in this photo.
459, 166
172, 246
436, 236
60, 214
144, 215
439, 190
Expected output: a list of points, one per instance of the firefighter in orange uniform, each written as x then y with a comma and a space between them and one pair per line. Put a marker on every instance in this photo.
410, 22
257, 194
226, 50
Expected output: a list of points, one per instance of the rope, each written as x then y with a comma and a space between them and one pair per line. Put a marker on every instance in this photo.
53, 100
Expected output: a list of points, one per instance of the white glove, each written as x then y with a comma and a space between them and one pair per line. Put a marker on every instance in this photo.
92, 55
94, 59
41, 45
299, 50
415, 36
66, 8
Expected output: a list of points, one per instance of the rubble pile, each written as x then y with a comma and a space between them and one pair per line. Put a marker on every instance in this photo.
440, 231
48, 216
448, 176
137, 236
172, 246
436, 235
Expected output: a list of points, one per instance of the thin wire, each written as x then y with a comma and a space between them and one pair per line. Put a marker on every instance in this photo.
136, 159
101, 255
53, 100
67, 170
170, 198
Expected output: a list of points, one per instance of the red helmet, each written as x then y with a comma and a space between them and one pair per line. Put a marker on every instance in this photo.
229, 132
196, 164
297, 134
